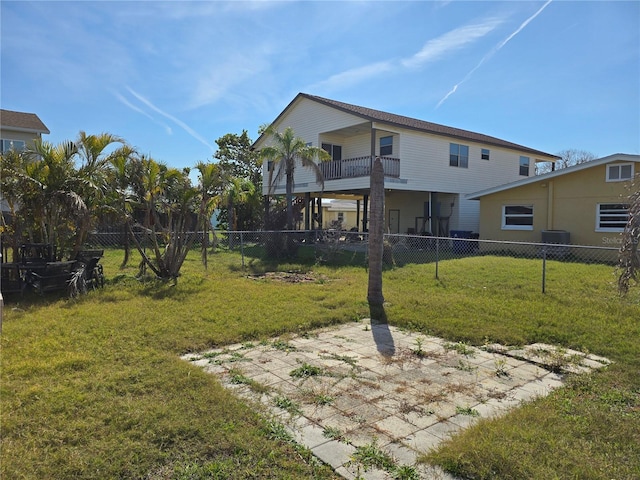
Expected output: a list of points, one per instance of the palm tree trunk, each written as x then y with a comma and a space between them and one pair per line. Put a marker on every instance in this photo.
376, 245
289, 192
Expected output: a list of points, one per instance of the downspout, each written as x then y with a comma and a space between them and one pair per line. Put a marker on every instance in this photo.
550, 206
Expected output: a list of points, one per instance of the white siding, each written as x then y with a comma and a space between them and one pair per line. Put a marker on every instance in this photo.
424, 164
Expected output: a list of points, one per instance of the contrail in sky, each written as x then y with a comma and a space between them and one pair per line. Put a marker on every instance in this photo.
180, 123
142, 112
492, 52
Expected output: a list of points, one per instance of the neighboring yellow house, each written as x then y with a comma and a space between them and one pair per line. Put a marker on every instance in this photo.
344, 211
586, 204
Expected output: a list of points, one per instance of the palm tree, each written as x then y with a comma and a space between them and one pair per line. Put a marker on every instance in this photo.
94, 162
209, 183
169, 202
285, 153
236, 190
12, 166
376, 243
120, 179
52, 195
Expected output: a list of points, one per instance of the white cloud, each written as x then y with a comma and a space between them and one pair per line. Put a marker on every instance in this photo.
445, 44
353, 76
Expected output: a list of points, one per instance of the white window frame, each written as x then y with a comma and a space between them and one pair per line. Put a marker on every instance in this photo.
618, 167
611, 212
461, 160
506, 226
485, 154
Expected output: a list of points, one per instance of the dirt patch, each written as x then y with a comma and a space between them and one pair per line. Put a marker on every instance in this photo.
290, 277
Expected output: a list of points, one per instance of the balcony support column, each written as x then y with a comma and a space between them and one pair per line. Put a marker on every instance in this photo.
358, 214
320, 221
365, 219
307, 213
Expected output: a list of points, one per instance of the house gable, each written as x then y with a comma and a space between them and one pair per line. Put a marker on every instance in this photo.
18, 129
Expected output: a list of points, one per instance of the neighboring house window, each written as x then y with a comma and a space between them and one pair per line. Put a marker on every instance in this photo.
341, 217
6, 145
334, 150
611, 217
386, 146
517, 217
524, 166
270, 166
484, 155
619, 172
458, 155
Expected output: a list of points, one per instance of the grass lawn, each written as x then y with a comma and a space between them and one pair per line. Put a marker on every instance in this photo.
94, 388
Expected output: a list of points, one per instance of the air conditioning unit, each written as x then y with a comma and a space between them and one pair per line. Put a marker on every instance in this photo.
561, 238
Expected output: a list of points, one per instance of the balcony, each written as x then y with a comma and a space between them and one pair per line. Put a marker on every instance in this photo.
358, 167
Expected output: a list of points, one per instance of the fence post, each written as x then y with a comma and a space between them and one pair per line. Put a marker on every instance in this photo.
544, 268
242, 249
437, 255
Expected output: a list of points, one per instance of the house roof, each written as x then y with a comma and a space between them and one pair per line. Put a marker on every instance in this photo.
616, 157
373, 115
21, 121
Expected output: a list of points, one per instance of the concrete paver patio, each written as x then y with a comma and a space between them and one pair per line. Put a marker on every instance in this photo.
339, 390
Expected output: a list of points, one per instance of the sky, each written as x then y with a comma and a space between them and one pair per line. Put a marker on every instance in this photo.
172, 77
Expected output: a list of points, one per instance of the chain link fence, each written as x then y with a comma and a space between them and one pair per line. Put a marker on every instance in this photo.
339, 247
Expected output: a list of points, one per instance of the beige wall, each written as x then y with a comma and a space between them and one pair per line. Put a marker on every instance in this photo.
566, 202
27, 137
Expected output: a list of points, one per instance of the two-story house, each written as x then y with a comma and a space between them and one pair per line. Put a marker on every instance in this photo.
19, 129
429, 168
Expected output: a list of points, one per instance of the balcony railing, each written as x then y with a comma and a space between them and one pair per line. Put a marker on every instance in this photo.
358, 167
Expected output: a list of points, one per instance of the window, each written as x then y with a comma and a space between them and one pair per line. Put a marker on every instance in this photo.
386, 146
458, 155
484, 155
6, 145
611, 217
334, 150
341, 217
524, 166
619, 172
517, 217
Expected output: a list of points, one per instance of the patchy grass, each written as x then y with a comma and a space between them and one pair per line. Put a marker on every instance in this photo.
93, 387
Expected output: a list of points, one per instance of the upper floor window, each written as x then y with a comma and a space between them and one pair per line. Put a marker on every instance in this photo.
16, 145
611, 217
458, 155
484, 154
386, 146
517, 217
619, 172
334, 150
524, 166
